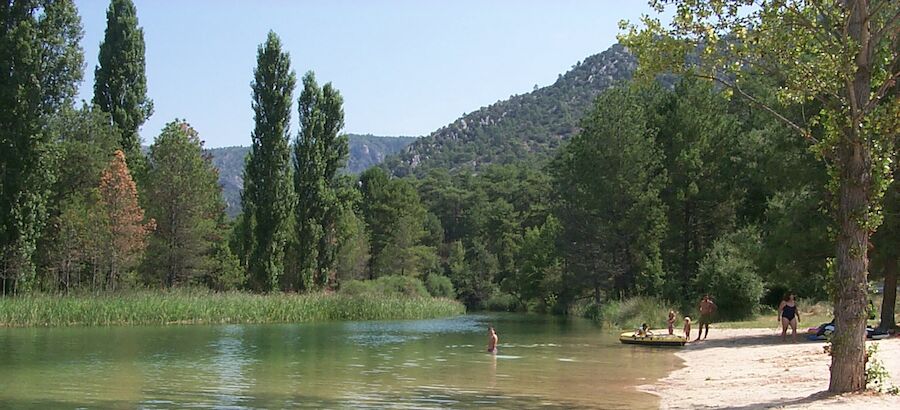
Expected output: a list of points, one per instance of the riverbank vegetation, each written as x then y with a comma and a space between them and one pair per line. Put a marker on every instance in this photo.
198, 306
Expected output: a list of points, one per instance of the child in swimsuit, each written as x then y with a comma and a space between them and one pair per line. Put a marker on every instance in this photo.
671, 322
687, 327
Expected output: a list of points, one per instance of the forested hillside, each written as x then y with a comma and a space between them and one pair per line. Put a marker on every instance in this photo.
525, 126
365, 151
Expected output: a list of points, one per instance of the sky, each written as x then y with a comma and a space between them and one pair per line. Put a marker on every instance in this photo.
404, 67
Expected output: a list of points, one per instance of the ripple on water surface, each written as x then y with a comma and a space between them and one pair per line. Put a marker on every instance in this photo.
411, 364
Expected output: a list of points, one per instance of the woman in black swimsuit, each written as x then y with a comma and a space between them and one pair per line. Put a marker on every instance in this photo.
789, 316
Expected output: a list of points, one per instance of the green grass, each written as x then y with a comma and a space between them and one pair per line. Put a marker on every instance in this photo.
811, 315
189, 307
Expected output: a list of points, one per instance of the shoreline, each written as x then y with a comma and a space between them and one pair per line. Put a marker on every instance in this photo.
754, 369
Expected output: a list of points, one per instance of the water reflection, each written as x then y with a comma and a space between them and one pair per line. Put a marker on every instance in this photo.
419, 364
231, 356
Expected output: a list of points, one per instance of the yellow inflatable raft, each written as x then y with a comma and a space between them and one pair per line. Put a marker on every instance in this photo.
652, 340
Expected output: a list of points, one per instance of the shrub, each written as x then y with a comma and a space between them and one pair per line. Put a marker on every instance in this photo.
440, 286
729, 274
501, 302
394, 285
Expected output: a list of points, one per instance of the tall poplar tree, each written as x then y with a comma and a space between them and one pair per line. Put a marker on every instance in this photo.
120, 81
40, 67
319, 151
268, 195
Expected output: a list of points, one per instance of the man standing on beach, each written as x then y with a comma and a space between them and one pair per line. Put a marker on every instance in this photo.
707, 308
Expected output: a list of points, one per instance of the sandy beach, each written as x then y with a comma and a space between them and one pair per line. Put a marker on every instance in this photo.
754, 369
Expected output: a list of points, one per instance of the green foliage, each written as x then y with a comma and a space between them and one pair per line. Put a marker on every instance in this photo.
386, 286
185, 200
608, 179
502, 302
268, 197
120, 80
695, 133
440, 286
319, 151
628, 313
728, 273
878, 378
396, 217
840, 55
538, 277
352, 259
41, 63
186, 306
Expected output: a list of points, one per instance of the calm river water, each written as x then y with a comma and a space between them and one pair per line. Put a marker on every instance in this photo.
543, 361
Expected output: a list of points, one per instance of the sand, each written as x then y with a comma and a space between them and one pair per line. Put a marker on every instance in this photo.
754, 369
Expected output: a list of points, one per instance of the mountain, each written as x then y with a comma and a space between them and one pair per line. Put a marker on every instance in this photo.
365, 151
524, 127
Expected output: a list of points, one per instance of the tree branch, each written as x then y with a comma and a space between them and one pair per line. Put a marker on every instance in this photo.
880, 93
802, 131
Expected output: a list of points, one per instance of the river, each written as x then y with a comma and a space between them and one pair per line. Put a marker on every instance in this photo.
543, 361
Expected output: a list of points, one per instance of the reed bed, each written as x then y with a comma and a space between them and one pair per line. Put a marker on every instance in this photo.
198, 307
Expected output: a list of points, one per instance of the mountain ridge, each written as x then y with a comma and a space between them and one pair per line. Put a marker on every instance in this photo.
523, 127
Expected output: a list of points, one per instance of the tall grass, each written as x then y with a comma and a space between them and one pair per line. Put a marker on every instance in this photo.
629, 313
183, 307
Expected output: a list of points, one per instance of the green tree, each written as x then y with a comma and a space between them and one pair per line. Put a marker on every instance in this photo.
120, 80
848, 62
186, 202
319, 151
268, 196
398, 232
85, 141
729, 273
609, 178
41, 65
694, 133
538, 277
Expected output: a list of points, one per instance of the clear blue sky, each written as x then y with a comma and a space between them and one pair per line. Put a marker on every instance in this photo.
403, 67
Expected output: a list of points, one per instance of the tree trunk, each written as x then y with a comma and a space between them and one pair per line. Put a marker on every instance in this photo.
848, 343
854, 163
890, 295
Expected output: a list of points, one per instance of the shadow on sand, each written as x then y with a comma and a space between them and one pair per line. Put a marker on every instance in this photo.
752, 340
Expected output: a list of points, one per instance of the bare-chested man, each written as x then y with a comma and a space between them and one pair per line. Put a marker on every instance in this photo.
492, 340
707, 308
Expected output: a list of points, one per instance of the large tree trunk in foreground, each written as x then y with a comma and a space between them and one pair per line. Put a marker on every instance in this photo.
854, 164
848, 344
890, 295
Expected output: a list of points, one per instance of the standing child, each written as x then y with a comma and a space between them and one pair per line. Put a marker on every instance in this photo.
687, 327
671, 322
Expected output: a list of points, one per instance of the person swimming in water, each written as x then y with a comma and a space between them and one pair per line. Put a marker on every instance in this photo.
492, 340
